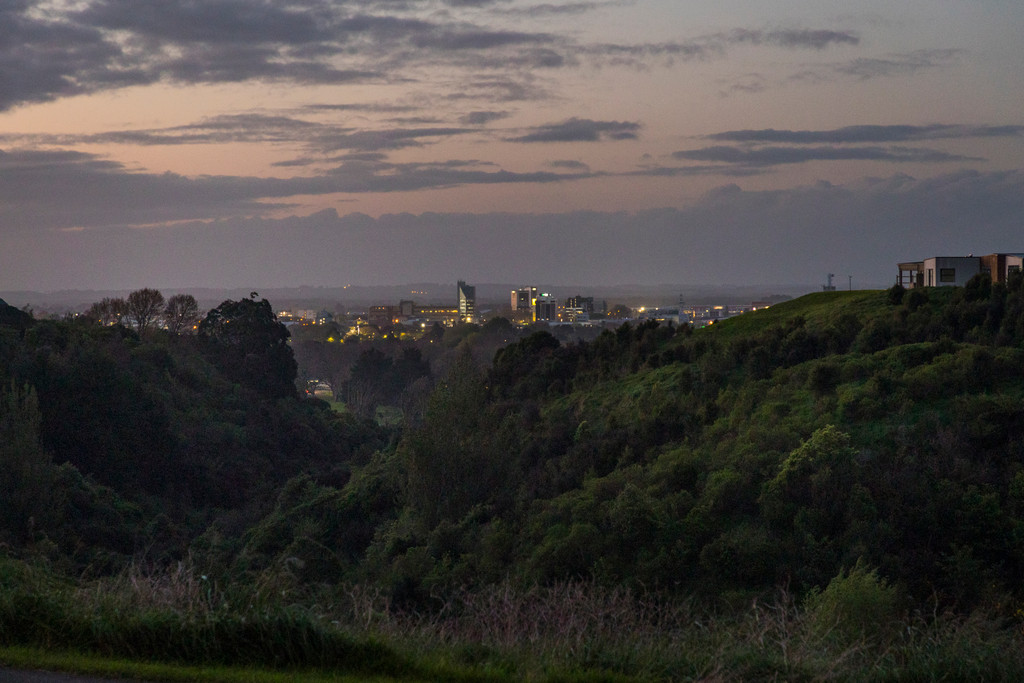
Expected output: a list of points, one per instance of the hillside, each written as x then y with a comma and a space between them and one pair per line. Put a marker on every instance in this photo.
776, 448
848, 434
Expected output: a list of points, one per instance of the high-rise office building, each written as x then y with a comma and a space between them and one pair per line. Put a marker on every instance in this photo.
546, 308
467, 302
523, 302
584, 303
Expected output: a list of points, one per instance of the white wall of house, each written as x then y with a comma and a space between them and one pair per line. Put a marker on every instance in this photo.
950, 271
1014, 262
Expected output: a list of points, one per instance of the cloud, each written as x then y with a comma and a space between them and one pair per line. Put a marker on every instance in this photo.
95, 192
477, 39
471, 3
569, 163
714, 45
865, 68
107, 44
750, 84
861, 68
773, 156
661, 171
790, 236
218, 129
500, 88
96, 45
482, 118
396, 138
212, 21
41, 60
581, 130
817, 39
249, 128
550, 9
771, 147
864, 134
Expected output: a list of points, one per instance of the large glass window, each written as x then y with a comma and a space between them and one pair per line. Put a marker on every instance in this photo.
947, 274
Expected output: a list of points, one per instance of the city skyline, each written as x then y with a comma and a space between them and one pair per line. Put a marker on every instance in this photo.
237, 143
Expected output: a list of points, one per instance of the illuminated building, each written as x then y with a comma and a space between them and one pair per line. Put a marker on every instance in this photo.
467, 302
585, 303
546, 308
523, 302
578, 309
408, 311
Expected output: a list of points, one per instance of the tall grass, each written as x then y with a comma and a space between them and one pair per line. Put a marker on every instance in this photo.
176, 617
568, 631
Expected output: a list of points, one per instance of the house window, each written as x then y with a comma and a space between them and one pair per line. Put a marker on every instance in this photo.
947, 274
1012, 269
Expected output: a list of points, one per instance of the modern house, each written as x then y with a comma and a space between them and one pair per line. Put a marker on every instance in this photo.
955, 271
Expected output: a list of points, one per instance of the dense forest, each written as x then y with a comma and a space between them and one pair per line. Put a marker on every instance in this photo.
871, 434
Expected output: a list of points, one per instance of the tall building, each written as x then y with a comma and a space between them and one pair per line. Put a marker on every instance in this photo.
579, 308
584, 303
523, 302
546, 308
467, 302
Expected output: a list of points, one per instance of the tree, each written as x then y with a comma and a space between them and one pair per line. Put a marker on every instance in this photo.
107, 312
13, 317
144, 307
368, 386
452, 459
26, 472
181, 314
620, 311
245, 339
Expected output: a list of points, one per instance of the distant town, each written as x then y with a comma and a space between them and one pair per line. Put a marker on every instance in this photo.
526, 306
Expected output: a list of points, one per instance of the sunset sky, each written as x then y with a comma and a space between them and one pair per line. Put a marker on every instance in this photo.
243, 143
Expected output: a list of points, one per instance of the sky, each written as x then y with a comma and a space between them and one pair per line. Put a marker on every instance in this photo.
251, 143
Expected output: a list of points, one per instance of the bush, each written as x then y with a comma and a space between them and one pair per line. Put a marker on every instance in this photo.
894, 295
856, 604
824, 378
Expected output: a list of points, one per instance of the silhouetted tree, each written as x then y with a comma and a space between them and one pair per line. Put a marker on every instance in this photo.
245, 339
26, 471
107, 312
144, 307
621, 311
181, 314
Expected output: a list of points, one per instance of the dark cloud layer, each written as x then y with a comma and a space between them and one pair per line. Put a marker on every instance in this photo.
95, 192
581, 130
897, 65
730, 236
771, 147
867, 134
481, 118
714, 45
97, 45
260, 128
773, 156
792, 38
